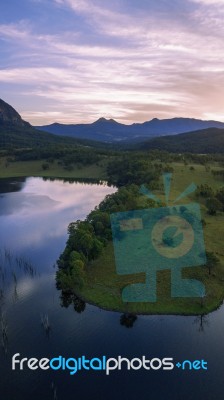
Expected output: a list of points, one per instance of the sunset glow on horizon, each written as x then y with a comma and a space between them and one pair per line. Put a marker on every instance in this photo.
74, 61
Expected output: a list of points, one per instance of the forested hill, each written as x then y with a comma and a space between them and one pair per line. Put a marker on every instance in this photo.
10, 117
15, 133
201, 142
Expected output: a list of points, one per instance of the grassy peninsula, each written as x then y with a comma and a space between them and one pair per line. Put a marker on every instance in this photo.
87, 265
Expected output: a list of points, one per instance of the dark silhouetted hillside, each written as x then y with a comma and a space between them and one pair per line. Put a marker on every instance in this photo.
201, 142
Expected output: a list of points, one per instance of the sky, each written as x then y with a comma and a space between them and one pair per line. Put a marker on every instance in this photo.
74, 61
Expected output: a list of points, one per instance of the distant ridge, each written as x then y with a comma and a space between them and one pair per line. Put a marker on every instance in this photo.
109, 130
17, 133
204, 141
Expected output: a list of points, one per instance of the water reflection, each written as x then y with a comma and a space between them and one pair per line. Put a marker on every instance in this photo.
34, 215
29, 304
4, 332
13, 266
85, 181
9, 185
12, 269
41, 211
68, 298
128, 320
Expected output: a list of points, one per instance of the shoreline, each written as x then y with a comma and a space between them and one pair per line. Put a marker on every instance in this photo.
92, 303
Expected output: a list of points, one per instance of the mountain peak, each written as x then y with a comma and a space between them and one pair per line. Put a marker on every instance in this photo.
9, 116
104, 120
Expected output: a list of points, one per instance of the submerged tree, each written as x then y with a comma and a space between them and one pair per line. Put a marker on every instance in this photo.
202, 321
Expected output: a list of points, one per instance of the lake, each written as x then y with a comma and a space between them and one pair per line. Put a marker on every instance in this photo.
34, 216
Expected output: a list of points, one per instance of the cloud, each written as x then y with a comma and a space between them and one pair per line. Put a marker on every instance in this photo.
88, 7
209, 2
130, 66
14, 31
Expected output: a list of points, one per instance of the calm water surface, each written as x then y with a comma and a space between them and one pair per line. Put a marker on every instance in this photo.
34, 215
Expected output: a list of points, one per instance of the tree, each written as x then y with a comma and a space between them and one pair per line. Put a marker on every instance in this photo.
205, 191
212, 261
76, 269
213, 205
220, 197
45, 166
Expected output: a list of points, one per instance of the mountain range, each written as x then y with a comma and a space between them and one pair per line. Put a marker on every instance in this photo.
109, 130
198, 137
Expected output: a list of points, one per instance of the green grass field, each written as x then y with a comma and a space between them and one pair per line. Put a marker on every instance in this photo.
103, 286
34, 168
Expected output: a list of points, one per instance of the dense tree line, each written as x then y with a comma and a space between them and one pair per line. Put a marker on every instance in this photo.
128, 170
218, 173
67, 156
214, 200
88, 238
